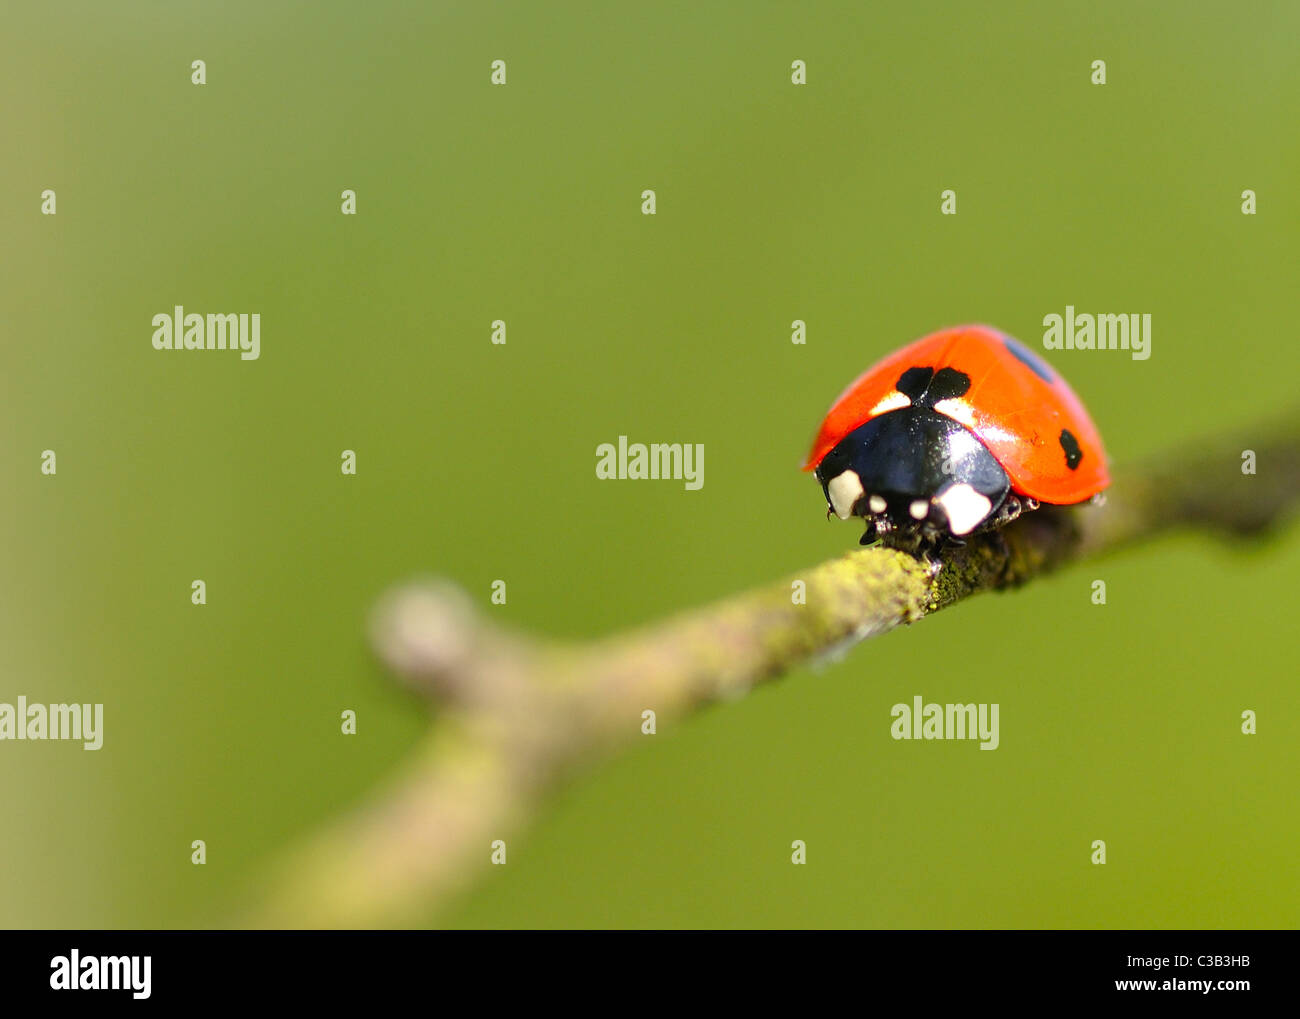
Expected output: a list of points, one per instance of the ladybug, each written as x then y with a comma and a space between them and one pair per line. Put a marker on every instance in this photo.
959, 432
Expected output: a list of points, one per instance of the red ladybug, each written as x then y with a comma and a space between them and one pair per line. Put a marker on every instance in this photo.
959, 432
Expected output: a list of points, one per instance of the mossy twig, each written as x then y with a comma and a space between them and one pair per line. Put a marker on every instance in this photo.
516, 715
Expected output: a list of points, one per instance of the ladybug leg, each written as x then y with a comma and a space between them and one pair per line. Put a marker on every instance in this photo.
925, 544
1011, 509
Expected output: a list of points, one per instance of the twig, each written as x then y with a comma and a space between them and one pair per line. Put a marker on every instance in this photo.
516, 715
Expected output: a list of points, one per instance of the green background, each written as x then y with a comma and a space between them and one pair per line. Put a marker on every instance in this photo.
476, 461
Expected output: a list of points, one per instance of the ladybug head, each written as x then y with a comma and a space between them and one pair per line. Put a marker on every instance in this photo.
913, 472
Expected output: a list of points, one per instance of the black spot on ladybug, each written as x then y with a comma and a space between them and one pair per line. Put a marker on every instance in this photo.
912, 382
1073, 454
948, 384
925, 387
1029, 359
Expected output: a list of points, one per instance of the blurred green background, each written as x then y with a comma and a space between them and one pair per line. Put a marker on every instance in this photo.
476, 461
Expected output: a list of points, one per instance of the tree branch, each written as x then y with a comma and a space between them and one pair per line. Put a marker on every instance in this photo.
516, 715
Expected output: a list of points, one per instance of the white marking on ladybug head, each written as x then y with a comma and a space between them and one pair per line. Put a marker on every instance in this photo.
920, 509
958, 410
877, 504
893, 401
964, 507
844, 489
